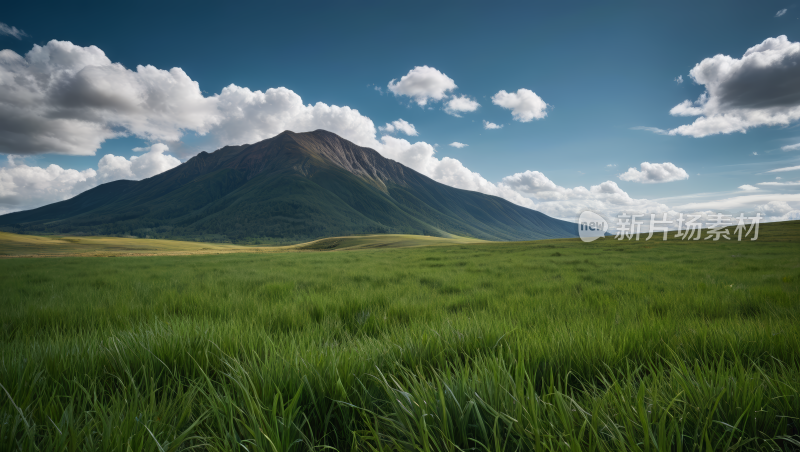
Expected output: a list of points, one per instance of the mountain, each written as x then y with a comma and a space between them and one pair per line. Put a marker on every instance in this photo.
292, 187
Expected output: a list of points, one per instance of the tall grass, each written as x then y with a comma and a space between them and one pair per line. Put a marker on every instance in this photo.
554, 345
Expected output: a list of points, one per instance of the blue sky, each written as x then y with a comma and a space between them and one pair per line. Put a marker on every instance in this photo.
603, 69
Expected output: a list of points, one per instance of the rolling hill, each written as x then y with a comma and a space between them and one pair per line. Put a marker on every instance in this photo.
290, 188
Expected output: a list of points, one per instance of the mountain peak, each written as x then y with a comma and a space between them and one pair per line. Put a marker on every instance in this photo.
291, 187
309, 151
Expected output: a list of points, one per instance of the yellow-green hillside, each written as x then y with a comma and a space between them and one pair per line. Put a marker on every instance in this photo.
18, 245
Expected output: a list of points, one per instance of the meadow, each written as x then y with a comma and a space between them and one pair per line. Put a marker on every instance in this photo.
19, 245
352, 345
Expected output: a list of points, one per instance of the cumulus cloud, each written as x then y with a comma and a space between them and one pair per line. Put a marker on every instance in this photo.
248, 116
26, 187
679, 79
460, 104
788, 168
68, 99
14, 32
760, 89
399, 126
531, 182
778, 211
606, 198
653, 173
775, 208
525, 105
23, 186
456, 144
152, 162
63, 98
491, 126
687, 108
781, 12
791, 147
423, 84
748, 187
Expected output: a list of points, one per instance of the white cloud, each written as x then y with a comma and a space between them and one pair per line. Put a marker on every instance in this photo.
68, 99
248, 116
748, 187
776, 184
788, 168
779, 211
755, 153
679, 79
14, 32
611, 165
154, 161
460, 104
456, 144
26, 187
63, 98
491, 126
737, 204
775, 208
760, 89
423, 84
781, 12
531, 182
791, 147
400, 126
652, 173
606, 198
525, 105
23, 186
687, 108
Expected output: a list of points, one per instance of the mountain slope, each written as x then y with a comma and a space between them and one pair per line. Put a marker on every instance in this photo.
293, 187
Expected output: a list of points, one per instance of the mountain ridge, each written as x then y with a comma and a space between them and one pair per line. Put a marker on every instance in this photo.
292, 187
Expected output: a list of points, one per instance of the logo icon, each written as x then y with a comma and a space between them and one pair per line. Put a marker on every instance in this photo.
591, 226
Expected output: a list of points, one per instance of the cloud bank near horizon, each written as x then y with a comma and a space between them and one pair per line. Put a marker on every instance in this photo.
23, 186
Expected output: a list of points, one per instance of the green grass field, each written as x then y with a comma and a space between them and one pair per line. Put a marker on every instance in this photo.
548, 345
